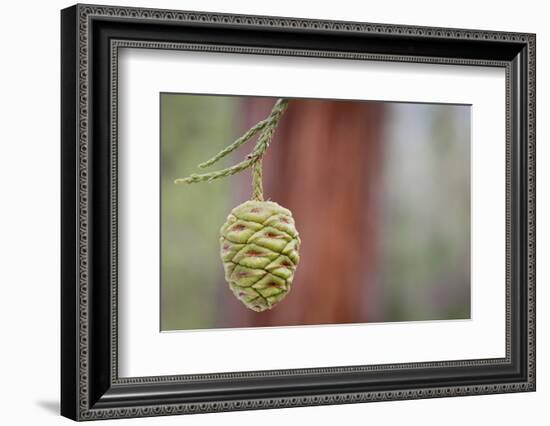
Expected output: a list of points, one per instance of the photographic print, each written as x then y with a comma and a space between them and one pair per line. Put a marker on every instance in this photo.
312, 211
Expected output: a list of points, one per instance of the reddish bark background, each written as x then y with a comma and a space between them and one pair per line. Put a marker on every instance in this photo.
324, 164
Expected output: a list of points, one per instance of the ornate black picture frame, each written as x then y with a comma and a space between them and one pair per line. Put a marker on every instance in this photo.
91, 387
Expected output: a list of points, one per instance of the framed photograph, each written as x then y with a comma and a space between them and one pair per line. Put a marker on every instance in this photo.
263, 212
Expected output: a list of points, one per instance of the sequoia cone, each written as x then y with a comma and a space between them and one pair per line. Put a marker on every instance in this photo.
259, 249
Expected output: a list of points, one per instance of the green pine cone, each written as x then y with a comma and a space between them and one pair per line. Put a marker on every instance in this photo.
259, 249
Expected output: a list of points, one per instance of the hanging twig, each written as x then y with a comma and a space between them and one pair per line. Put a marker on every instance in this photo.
244, 138
266, 128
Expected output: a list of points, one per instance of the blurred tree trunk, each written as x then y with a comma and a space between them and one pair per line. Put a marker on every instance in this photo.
324, 165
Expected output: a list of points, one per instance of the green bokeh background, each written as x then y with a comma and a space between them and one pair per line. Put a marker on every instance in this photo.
192, 128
